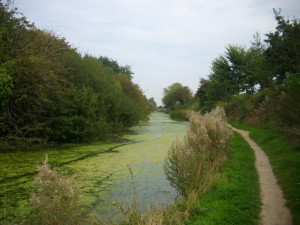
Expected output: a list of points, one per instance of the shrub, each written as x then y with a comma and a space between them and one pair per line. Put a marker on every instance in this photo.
180, 114
190, 164
55, 199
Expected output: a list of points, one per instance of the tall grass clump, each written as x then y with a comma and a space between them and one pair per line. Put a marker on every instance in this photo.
175, 214
191, 163
55, 199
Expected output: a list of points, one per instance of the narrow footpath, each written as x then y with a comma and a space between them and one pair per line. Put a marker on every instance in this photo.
274, 211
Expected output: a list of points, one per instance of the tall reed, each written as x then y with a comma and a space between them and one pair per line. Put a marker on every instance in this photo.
191, 163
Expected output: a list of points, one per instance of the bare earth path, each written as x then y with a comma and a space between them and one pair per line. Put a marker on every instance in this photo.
274, 211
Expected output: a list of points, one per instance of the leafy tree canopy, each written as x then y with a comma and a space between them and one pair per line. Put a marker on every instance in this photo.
176, 96
49, 92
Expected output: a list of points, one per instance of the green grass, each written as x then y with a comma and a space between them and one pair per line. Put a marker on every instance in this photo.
234, 196
285, 160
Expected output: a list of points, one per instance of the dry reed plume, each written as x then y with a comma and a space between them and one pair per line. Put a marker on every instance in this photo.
192, 162
55, 199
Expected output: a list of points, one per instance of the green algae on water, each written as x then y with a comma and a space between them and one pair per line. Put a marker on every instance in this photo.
102, 170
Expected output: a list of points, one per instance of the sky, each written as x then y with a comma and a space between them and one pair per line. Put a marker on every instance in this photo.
164, 41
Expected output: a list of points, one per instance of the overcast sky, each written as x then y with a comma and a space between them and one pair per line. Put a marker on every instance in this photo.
165, 41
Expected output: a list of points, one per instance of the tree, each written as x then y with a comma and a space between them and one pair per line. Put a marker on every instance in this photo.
153, 104
233, 68
257, 66
49, 92
6, 86
210, 92
115, 67
176, 96
284, 47
136, 96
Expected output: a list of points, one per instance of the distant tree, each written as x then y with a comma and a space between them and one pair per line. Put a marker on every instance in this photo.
171, 88
176, 96
153, 104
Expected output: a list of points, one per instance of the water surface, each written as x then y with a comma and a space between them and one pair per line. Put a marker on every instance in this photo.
108, 173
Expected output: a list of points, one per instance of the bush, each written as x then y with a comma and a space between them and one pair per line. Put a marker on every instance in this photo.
55, 199
190, 164
180, 114
277, 108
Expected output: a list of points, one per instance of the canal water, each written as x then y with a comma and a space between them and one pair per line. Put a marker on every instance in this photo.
108, 173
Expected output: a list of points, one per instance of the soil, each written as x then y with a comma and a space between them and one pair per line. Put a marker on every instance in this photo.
274, 211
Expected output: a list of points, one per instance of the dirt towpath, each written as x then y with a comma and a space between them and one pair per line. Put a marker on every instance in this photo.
274, 211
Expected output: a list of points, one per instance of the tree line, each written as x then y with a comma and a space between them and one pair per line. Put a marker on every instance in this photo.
259, 84
271, 63
49, 92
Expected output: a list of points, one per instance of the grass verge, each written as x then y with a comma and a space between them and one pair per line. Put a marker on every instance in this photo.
285, 160
234, 196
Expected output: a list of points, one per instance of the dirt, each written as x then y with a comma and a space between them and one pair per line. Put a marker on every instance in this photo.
274, 211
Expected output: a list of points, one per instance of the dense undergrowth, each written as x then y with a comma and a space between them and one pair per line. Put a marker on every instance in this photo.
179, 114
284, 156
274, 108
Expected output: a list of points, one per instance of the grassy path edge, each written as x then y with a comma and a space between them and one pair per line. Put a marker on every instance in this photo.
234, 196
284, 157
273, 210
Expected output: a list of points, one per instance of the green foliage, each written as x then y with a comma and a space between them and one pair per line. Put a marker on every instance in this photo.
276, 108
287, 109
6, 85
176, 96
116, 68
139, 102
284, 44
238, 71
233, 70
49, 92
237, 108
284, 157
260, 84
179, 114
152, 104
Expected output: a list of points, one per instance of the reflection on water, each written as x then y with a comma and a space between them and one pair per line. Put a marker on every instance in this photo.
102, 170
